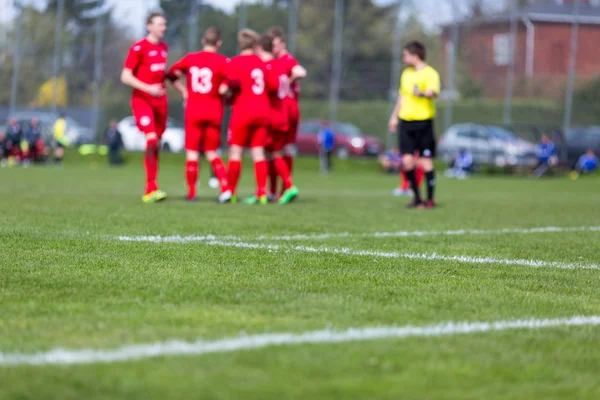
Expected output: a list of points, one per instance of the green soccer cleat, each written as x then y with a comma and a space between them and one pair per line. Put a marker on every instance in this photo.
289, 195
262, 200
154, 197
234, 199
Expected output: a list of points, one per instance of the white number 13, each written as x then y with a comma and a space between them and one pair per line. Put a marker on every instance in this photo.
201, 80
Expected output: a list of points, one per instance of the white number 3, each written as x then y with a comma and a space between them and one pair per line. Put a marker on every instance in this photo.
259, 81
201, 80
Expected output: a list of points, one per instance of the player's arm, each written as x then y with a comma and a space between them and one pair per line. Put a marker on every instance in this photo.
433, 87
298, 72
393, 123
134, 58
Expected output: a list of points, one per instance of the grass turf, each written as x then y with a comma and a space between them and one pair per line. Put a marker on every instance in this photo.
65, 281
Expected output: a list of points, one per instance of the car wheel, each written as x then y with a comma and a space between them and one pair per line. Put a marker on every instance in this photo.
342, 153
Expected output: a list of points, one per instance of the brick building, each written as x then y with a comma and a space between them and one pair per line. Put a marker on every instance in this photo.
542, 47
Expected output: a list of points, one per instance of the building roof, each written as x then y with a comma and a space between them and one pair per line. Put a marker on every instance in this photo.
545, 12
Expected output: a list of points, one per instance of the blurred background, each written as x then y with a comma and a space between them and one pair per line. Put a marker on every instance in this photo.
512, 70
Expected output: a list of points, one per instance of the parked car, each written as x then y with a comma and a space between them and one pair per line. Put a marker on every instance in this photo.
489, 145
76, 133
134, 140
349, 140
579, 140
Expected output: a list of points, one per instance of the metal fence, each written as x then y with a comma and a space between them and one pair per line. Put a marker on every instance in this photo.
60, 54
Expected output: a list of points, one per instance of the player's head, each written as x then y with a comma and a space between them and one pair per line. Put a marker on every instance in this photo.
212, 37
156, 25
545, 139
414, 53
590, 152
279, 43
247, 39
264, 46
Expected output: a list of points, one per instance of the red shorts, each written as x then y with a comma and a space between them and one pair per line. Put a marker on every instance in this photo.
202, 136
250, 136
276, 141
149, 118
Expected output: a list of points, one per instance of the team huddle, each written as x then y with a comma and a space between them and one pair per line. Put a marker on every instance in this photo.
262, 86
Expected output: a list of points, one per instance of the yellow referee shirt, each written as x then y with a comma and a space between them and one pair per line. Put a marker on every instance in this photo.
415, 108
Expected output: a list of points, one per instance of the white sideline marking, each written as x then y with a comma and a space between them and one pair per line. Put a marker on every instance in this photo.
398, 234
177, 347
210, 241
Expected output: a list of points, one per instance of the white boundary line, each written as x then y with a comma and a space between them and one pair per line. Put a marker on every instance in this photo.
398, 234
177, 347
210, 241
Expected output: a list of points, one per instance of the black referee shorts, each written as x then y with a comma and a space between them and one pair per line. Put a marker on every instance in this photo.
417, 136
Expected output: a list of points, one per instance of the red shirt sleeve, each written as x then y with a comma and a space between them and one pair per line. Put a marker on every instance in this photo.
134, 57
181, 65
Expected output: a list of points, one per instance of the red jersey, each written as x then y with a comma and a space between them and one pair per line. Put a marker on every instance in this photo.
148, 62
279, 115
254, 78
205, 71
289, 63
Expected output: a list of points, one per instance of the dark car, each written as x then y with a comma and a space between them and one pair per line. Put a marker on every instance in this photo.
350, 141
579, 140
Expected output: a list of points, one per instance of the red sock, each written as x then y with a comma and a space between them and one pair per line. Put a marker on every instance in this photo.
151, 164
273, 177
235, 168
404, 185
191, 175
289, 160
261, 172
221, 174
420, 176
283, 172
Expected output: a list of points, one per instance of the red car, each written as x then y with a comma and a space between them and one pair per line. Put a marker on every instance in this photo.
349, 140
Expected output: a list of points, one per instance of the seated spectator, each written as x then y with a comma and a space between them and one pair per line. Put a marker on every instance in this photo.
12, 146
114, 143
587, 164
463, 165
546, 156
391, 161
33, 143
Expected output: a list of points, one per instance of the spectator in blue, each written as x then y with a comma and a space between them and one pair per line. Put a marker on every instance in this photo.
587, 164
463, 165
326, 144
546, 156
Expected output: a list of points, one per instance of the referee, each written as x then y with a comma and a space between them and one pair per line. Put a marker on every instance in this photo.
413, 118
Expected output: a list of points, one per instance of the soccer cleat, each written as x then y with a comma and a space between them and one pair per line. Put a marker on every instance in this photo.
225, 197
256, 200
415, 204
190, 198
154, 197
430, 204
233, 199
289, 195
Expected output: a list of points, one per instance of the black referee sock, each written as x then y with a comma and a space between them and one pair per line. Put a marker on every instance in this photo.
430, 177
412, 178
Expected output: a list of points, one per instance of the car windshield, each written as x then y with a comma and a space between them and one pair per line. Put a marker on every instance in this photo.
347, 130
589, 136
500, 133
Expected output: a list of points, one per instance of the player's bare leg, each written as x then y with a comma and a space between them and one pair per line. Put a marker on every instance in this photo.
221, 174
153, 193
234, 170
191, 173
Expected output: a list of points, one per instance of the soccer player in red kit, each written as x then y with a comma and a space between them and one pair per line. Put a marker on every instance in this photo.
205, 71
295, 73
145, 71
249, 80
279, 127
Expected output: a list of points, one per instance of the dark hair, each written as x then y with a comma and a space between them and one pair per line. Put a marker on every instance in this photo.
153, 15
211, 36
416, 48
266, 42
277, 32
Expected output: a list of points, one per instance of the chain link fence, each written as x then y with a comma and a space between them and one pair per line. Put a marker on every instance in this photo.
523, 65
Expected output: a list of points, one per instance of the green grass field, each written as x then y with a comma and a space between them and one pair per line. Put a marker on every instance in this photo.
68, 280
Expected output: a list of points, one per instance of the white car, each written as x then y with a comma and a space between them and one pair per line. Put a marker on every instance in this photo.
134, 140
